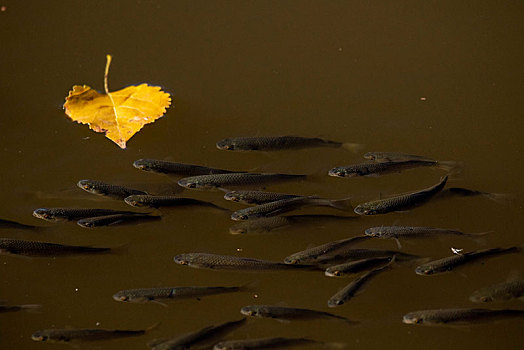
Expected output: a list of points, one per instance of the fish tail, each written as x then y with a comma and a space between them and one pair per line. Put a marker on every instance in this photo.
120, 249
248, 286
31, 307
341, 204
499, 197
353, 147
333, 345
153, 326
453, 168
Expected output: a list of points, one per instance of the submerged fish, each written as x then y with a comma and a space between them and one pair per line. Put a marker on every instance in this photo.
207, 182
166, 201
85, 334
172, 168
287, 313
201, 336
226, 262
379, 168
465, 192
256, 197
16, 225
392, 232
350, 254
142, 295
499, 292
104, 189
401, 202
450, 262
14, 308
285, 205
354, 286
57, 214
35, 248
278, 143
446, 316
264, 343
355, 266
393, 156
310, 255
115, 219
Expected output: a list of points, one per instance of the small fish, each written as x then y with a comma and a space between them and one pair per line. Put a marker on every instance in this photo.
142, 295
216, 181
499, 292
347, 255
401, 202
264, 343
355, 266
201, 336
311, 254
279, 143
16, 225
14, 308
166, 201
393, 156
380, 168
349, 291
464, 316
103, 189
256, 197
58, 214
287, 313
35, 248
115, 219
172, 168
285, 205
226, 262
450, 262
85, 334
465, 192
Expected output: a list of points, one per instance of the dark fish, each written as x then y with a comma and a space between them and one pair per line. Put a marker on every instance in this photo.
208, 182
14, 308
393, 156
264, 343
103, 189
256, 197
310, 255
465, 192
201, 336
346, 255
467, 316
355, 266
143, 295
16, 225
450, 262
166, 201
354, 286
172, 168
35, 248
499, 292
380, 168
226, 262
402, 202
278, 143
115, 219
287, 313
85, 334
57, 214
285, 205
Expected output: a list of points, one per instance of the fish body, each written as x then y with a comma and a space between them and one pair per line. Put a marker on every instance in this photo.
263, 343
261, 225
107, 220
197, 337
352, 254
164, 201
286, 313
447, 316
208, 182
402, 202
395, 232
285, 205
346, 293
310, 255
142, 295
104, 189
226, 262
58, 214
36, 248
256, 197
393, 156
380, 168
16, 225
15, 308
355, 266
84, 334
499, 292
450, 262
172, 168
273, 143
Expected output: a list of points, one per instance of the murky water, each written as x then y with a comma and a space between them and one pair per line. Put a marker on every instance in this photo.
436, 78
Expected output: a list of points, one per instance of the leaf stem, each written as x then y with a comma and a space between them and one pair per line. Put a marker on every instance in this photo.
120, 142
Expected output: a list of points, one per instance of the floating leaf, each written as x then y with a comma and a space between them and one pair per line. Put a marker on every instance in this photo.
119, 114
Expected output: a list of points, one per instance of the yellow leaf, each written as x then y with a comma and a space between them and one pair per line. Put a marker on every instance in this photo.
120, 114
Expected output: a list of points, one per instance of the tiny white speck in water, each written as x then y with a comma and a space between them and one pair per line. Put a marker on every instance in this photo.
239, 249
97, 324
456, 250
76, 289
423, 98
255, 296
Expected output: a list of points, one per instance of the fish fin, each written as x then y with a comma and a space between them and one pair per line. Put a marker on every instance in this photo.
156, 342
158, 302
341, 204
353, 147
153, 326
514, 275
31, 307
281, 320
248, 287
116, 222
453, 168
503, 198
398, 243
224, 189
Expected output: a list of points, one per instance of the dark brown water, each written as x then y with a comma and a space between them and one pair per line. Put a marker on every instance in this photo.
440, 79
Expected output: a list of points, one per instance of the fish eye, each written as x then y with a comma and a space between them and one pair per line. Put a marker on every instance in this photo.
191, 185
123, 298
484, 299
337, 273
183, 262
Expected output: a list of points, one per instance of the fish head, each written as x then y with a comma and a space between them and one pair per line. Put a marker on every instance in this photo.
226, 145
480, 298
233, 196
182, 259
292, 260
141, 164
365, 210
339, 172
413, 318
85, 223
249, 311
194, 183
238, 216
374, 232
39, 336
120, 296
333, 273
134, 201
44, 214
238, 230
335, 302
424, 270
89, 186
